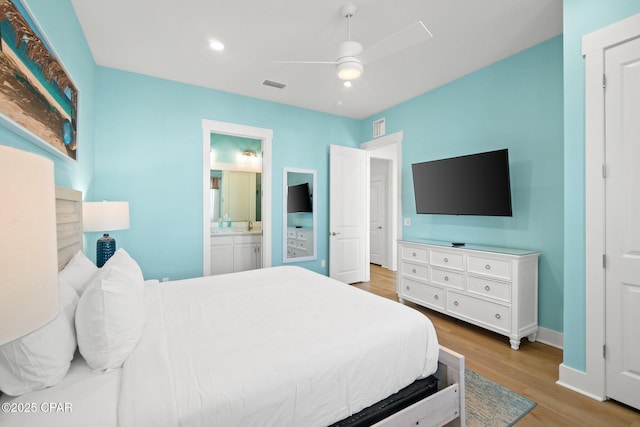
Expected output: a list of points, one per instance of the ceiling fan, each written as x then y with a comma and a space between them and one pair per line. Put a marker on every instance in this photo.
351, 55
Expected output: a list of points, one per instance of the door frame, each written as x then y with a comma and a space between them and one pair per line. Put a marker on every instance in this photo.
389, 147
592, 382
242, 131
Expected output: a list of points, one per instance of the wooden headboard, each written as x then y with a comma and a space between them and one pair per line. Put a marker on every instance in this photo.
68, 224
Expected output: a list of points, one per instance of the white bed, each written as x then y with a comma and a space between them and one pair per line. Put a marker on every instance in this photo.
281, 346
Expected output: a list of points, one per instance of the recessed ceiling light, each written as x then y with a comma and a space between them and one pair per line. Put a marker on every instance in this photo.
216, 45
347, 84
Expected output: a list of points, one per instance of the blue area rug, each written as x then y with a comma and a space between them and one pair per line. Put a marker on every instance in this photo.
490, 404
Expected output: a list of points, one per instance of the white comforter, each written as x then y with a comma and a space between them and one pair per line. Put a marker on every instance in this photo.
274, 347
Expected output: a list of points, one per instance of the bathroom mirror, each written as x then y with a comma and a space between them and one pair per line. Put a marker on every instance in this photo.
299, 240
235, 195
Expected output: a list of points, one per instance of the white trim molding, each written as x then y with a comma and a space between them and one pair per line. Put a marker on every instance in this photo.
550, 337
577, 381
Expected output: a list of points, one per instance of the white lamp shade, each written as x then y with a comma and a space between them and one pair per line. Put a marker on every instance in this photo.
28, 253
105, 216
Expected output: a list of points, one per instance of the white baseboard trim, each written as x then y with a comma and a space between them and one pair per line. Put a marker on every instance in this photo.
551, 337
577, 381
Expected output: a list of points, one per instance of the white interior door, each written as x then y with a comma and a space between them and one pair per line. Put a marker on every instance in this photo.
622, 193
348, 214
377, 220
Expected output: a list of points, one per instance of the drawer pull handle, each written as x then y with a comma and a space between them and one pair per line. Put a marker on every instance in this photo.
455, 303
413, 254
436, 296
498, 316
414, 271
488, 267
408, 288
446, 278
487, 288
446, 260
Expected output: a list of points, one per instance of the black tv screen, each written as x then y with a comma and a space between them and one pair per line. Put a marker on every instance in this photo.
476, 184
299, 198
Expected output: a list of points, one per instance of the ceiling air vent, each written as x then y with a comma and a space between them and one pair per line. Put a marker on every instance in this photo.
378, 127
274, 84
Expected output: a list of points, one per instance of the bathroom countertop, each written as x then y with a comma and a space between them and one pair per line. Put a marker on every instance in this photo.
233, 231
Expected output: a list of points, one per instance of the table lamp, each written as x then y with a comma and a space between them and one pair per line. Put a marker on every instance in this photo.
105, 217
29, 252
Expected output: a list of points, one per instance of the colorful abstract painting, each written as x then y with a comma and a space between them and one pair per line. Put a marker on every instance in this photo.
36, 92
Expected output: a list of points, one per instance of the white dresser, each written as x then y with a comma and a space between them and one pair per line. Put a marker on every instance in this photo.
494, 288
299, 242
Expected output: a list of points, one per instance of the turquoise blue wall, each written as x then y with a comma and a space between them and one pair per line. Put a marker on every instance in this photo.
580, 17
516, 104
149, 152
58, 22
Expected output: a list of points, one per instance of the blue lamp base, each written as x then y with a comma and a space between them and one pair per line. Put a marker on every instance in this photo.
105, 248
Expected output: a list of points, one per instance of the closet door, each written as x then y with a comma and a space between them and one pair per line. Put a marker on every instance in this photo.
622, 242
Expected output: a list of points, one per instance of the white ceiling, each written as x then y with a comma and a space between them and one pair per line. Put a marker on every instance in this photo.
169, 39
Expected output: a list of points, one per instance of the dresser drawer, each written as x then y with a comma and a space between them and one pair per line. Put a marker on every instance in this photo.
498, 268
484, 313
428, 295
446, 259
414, 270
302, 235
447, 278
291, 233
489, 288
415, 254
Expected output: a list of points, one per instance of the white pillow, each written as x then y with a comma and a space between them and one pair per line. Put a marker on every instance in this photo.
42, 358
111, 313
78, 271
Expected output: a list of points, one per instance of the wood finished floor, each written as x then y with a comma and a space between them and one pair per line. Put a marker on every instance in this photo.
532, 371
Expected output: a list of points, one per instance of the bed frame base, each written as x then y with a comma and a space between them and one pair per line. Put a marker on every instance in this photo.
445, 406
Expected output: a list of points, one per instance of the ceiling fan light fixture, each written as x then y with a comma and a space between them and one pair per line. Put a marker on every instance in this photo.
216, 45
349, 70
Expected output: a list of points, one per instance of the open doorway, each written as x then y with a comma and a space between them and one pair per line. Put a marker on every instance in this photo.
265, 137
386, 159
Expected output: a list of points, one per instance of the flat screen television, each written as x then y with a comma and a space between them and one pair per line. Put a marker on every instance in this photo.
475, 184
299, 198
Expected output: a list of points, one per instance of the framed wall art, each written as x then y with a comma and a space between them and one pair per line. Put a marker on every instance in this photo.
38, 99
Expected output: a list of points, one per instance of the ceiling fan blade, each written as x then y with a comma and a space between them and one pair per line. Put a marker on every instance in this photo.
400, 40
304, 62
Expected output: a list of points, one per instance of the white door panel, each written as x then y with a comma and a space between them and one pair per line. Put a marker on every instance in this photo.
348, 213
377, 232
622, 242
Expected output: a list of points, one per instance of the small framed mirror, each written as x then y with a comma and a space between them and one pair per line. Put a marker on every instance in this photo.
299, 207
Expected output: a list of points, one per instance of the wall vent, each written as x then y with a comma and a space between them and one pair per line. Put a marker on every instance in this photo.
274, 84
378, 127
